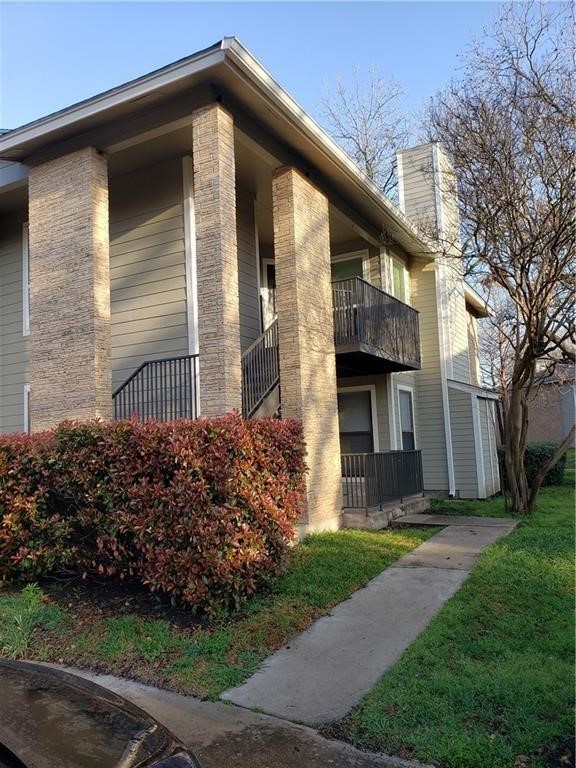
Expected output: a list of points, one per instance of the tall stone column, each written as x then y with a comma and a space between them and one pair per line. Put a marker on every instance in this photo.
217, 260
70, 365
306, 336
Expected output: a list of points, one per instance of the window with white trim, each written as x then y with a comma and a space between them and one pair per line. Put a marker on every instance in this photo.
406, 408
25, 282
26, 407
399, 280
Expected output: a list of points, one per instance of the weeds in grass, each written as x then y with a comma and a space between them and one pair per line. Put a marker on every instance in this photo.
20, 616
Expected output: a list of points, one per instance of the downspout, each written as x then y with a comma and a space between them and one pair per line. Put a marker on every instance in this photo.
442, 330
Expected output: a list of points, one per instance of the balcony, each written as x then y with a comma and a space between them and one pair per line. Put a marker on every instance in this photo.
373, 331
372, 480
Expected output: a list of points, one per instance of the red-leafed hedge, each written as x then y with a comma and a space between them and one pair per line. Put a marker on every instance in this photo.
202, 510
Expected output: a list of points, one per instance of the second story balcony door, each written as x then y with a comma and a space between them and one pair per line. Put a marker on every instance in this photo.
268, 292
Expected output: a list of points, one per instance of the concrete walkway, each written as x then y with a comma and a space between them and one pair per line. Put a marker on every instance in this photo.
326, 670
221, 735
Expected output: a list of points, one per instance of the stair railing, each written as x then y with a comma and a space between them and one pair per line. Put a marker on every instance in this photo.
260, 370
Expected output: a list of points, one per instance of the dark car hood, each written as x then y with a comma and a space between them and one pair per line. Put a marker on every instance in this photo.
52, 719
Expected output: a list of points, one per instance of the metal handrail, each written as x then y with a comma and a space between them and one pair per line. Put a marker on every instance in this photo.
370, 480
366, 315
260, 370
163, 389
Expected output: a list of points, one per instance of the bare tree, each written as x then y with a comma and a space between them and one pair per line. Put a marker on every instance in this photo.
509, 126
368, 119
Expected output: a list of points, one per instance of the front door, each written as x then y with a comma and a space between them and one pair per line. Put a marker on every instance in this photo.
355, 422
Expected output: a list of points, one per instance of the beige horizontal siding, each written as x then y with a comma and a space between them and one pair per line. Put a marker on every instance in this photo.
147, 268
14, 346
247, 269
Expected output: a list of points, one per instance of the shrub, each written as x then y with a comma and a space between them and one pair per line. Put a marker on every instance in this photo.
201, 510
535, 456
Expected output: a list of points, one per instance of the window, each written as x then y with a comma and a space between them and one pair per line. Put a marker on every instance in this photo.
26, 407
25, 283
399, 280
344, 269
406, 419
356, 421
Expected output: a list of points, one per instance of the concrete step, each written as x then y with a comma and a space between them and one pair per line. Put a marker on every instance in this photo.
376, 519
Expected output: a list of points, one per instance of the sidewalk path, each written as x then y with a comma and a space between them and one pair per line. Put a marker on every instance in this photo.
221, 735
326, 670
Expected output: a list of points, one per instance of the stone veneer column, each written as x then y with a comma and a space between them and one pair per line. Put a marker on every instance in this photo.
306, 336
70, 365
217, 261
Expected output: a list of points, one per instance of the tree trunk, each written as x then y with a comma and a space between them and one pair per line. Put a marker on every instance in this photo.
515, 445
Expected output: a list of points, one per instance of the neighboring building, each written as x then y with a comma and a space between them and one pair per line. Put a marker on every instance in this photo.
551, 406
194, 243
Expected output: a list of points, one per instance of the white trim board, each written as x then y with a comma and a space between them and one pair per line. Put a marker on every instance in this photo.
390, 386
190, 266
473, 389
480, 470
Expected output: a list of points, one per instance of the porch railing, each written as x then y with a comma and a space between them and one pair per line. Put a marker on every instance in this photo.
260, 370
371, 480
366, 315
160, 389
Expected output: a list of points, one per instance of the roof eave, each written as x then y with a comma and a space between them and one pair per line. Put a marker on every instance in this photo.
17, 143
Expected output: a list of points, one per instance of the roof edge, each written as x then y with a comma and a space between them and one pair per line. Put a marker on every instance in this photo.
128, 91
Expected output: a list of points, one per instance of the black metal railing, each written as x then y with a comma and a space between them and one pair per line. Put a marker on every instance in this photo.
371, 480
160, 389
365, 315
260, 370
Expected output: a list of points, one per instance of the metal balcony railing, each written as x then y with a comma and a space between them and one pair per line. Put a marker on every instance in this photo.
160, 389
370, 480
368, 319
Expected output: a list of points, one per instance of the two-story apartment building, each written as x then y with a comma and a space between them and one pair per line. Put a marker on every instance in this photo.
192, 242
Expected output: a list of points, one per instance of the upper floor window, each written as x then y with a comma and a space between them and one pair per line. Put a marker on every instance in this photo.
399, 280
25, 283
346, 268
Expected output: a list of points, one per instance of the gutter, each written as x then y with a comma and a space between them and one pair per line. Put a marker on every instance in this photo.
290, 109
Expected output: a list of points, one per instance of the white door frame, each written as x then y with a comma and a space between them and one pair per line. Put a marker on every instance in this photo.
374, 416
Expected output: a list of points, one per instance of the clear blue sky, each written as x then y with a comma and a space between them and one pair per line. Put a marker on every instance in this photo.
54, 54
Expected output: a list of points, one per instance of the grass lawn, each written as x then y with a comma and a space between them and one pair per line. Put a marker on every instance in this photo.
169, 648
489, 684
